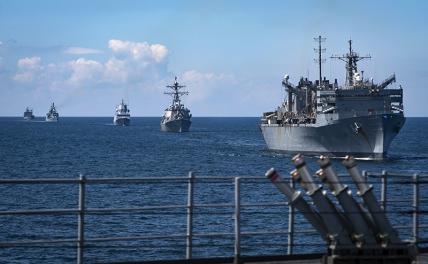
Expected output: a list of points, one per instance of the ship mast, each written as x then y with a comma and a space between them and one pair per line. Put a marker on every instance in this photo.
176, 93
351, 60
320, 60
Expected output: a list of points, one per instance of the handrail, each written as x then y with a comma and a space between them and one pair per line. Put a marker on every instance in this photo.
238, 181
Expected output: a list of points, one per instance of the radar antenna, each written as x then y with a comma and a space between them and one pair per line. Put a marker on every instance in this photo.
351, 60
320, 60
176, 93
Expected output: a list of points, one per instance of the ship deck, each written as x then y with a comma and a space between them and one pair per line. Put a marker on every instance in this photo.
294, 259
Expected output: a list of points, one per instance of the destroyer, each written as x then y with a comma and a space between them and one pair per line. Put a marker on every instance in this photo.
28, 114
52, 115
122, 116
176, 117
320, 117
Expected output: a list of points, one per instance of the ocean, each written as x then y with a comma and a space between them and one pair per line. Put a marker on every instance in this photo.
218, 146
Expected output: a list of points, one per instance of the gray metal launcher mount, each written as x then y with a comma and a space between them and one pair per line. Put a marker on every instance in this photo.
354, 232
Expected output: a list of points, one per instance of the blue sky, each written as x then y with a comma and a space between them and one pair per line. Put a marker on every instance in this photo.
87, 55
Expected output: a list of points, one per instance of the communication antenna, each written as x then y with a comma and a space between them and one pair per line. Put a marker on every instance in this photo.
351, 60
320, 60
176, 92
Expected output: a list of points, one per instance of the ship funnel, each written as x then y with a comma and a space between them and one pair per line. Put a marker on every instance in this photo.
328, 212
386, 233
361, 232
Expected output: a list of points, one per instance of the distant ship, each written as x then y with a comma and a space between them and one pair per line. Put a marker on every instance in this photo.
52, 115
320, 117
28, 114
176, 117
122, 116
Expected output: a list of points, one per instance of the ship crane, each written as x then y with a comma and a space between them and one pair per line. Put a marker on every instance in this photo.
300, 98
290, 90
386, 82
321, 117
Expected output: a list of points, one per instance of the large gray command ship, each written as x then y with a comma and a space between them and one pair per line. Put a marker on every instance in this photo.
361, 118
176, 117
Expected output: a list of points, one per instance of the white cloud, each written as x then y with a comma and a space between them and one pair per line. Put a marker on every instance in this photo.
29, 63
195, 76
136, 69
159, 52
24, 77
135, 62
81, 51
28, 68
202, 85
130, 64
138, 50
116, 70
85, 70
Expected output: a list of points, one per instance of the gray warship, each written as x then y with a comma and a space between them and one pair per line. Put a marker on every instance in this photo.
52, 115
176, 117
122, 116
28, 114
360, 117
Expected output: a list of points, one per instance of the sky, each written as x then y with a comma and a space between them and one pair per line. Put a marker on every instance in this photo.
87, 55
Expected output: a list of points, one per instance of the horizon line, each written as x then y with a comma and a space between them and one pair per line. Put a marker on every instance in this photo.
161, 116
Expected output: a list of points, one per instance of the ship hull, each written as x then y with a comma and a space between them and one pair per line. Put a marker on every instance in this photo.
122, 121
51, 119
177, 125
28, 118
366, 137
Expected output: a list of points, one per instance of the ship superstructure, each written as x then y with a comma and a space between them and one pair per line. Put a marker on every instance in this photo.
28, 114
176, 117
122, 115
52, 115
320, 117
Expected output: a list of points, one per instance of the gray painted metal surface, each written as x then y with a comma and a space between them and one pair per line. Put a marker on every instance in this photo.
352, 238
122, 116
176, 125
176, 117
360, 119
28, 114
52, 115
337, 232
387, 234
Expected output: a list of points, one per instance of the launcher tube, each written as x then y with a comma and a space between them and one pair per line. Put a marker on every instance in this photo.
387, 233
296, 199
325, 207
362, 234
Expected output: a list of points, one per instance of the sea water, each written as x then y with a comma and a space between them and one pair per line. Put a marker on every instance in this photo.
93, 147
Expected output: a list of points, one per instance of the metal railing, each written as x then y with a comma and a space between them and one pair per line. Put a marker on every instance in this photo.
383, 180
416, 180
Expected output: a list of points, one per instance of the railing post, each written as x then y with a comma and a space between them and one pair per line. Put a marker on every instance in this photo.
365, 175
81, 220
415, 208
290, 225
383, 197
189, 232
237, 259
